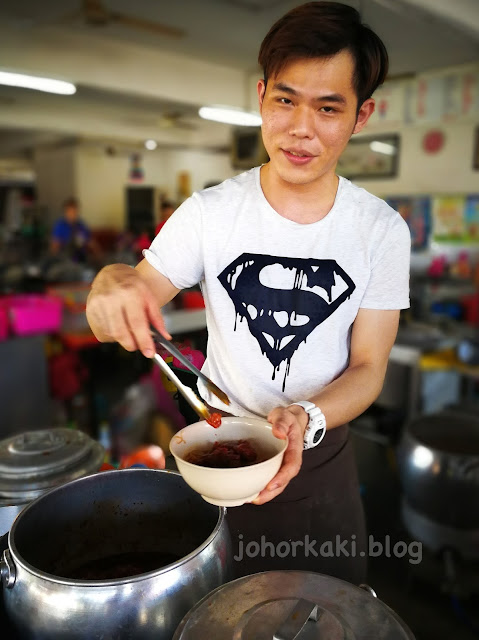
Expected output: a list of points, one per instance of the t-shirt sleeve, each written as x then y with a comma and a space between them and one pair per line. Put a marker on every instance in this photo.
388, 286
177, 250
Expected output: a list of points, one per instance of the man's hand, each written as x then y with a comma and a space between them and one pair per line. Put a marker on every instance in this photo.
123, 303
288, 422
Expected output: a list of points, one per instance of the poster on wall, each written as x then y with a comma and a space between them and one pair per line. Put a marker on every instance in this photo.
429, 99
416, 211
390, 106
452, 96
470, 93
135, 172
442, 97
448, 218
471, 218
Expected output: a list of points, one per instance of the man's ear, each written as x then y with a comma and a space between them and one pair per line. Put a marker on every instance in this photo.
261, 89
365, 112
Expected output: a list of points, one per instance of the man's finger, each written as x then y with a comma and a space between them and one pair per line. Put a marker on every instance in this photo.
280, 421
137, 321
289, 469
281, 429
96, 320
156, 318
119, 330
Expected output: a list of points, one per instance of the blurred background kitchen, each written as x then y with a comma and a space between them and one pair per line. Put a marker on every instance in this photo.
90, 170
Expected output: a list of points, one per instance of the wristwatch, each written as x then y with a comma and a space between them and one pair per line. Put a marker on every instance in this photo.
316, 427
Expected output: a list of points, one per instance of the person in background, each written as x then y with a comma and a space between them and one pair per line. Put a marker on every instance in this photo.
316, 268
166, 211
142, 242
71, 237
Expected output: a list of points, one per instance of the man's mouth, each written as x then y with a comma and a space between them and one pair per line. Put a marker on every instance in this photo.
299, 154
297, 157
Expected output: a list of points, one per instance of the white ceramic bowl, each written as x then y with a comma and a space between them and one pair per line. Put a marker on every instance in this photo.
229, 487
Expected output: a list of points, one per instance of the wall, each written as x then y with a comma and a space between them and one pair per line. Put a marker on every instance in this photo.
101, 179
203, 167
55, 170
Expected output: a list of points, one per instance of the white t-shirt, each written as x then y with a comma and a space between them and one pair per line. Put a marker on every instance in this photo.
281, 297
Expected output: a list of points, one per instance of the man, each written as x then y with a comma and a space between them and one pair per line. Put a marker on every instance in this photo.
167, 209
70, 235
303, 276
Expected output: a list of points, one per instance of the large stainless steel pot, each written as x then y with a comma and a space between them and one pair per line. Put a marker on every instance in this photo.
291, 605
438, 459
34, 462
130, 516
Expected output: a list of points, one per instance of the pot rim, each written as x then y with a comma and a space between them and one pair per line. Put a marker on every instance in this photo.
17, 558
411, 439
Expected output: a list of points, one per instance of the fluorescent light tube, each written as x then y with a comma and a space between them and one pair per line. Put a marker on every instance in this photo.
35, 82
230, 115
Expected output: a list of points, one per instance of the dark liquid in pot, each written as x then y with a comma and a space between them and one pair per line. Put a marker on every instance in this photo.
122, 565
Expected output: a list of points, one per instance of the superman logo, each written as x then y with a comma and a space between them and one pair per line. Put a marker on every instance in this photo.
284, 299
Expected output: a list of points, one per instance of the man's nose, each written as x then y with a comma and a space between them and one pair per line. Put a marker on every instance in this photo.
302, 122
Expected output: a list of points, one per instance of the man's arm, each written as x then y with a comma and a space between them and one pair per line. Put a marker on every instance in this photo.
123, 302
373, 335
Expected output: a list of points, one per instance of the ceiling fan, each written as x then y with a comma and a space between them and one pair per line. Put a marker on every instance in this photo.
174, 119
95, 14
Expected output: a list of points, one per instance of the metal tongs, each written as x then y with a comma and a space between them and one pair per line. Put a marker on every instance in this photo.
187, 392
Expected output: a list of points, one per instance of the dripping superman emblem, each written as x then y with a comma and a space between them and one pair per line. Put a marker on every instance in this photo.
284, 299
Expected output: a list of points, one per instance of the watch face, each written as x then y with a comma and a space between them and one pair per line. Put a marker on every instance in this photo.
317, 436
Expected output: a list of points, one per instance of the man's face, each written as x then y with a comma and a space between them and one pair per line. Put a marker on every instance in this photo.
309, 112
71, 214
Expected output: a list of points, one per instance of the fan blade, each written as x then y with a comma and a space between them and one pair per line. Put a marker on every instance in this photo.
72, 16
95, 13
138, 23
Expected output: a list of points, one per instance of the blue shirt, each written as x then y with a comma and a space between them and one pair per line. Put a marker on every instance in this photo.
73, 236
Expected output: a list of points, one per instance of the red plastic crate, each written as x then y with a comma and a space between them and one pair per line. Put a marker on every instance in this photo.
32, 313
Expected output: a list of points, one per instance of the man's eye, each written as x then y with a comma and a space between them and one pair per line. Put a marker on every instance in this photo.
285, 101
328, 109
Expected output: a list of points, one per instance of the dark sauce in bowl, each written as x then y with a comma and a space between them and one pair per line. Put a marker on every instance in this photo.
227, 454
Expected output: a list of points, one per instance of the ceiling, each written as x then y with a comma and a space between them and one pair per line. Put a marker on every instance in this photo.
135, 82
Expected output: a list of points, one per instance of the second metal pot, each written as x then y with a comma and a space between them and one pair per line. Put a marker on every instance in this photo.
34, 462
438, 460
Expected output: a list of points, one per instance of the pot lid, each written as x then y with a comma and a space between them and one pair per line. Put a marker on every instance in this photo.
37, 460
291, 605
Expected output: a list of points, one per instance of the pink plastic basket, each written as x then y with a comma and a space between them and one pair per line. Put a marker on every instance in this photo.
3, 322
31, 313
